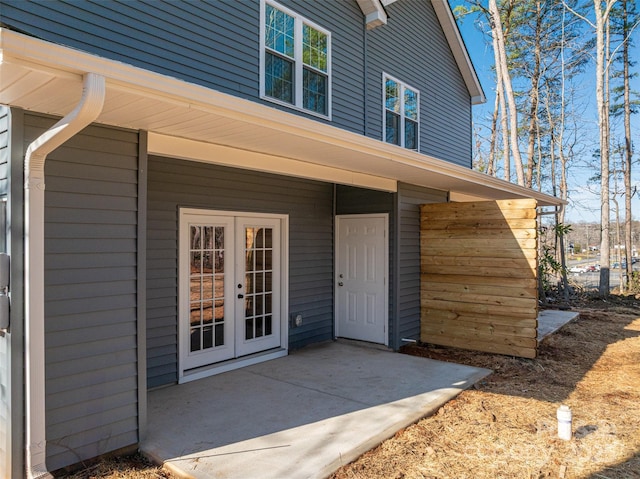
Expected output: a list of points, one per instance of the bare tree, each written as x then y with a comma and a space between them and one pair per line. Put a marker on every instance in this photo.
505, 79
503, 111
534, 94
602, 11
628, 14
491, 170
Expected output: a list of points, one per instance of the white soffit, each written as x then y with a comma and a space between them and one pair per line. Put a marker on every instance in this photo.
224, 129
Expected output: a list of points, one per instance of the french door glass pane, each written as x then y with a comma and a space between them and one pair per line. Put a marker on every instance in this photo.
206, 290
278, 78
258, 283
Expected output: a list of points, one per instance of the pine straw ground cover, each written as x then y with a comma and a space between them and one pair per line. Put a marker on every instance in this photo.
506, 427
126, 467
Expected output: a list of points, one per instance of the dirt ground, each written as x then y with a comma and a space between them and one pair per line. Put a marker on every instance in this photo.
506, 426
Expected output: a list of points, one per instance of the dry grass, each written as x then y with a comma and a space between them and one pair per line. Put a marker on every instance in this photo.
505, 427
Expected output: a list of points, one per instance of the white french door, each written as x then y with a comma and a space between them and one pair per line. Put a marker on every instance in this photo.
230, 286
257, 315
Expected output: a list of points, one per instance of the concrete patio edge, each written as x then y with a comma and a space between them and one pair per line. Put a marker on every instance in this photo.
389, 432
301, 416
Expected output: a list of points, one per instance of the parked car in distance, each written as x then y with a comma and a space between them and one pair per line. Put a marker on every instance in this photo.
593, 268
578, 269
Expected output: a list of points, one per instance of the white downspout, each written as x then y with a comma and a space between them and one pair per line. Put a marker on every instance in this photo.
87, 110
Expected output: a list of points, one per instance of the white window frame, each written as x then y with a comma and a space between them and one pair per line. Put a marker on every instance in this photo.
403, 86
299, 21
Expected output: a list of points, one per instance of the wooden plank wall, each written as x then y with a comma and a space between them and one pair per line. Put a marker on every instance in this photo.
478, 276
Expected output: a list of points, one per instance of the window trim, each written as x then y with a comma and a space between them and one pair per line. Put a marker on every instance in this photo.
299, 66
403, 85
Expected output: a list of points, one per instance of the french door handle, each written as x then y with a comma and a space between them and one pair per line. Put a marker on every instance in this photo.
240, 296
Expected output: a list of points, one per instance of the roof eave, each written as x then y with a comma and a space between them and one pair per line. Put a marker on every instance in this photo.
262, 127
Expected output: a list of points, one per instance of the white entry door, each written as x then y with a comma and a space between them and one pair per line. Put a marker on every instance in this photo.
230, 286
361, 277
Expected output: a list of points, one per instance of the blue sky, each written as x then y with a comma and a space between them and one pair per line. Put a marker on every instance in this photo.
584, 198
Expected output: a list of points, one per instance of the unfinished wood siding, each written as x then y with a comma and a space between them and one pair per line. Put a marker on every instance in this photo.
478, 276
90, 293
176, 183
407, 313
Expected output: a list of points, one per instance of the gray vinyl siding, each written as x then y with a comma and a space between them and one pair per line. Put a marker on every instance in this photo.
175, 183
12, 340
208, 43
90, 293
345, 21
215, 44
410, 197
413, 49
5, 344
351, 201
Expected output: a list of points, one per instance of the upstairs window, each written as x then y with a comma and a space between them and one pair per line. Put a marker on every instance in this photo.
401, 113
296, 61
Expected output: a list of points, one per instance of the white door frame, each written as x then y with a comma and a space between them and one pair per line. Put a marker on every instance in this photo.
385, 216
184, 375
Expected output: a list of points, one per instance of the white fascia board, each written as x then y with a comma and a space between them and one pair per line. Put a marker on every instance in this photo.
174, 147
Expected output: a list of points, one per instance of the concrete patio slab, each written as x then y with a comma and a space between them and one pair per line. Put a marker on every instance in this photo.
550, 320
301, 416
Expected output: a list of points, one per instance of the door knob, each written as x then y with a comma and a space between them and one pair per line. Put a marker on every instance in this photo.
340, 283
240, 296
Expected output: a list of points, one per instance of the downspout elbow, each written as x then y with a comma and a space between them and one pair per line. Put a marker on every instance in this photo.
86, 112
88, 109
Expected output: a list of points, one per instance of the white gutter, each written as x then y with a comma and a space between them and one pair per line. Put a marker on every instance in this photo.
87, 110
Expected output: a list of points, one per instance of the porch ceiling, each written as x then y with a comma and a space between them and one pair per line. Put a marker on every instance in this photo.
44, 77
